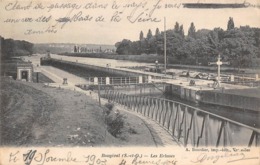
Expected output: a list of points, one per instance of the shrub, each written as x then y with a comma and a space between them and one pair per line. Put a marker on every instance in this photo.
109, 108
114, 120
132, 131
115, 124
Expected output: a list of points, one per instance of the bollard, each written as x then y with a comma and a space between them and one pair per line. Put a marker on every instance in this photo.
95, 81
149, 79
232, 78
140, 80
256, 77
107, 81
65, 81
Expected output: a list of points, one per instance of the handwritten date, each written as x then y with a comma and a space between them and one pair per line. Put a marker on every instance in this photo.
45, 157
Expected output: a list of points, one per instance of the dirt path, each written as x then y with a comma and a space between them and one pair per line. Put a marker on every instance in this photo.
43, 116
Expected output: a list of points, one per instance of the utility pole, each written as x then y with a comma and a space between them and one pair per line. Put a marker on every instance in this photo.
165, 46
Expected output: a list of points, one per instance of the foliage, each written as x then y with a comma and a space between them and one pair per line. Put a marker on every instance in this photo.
240, 46
11, 48
124, 47
192, 30
181, 31
109, 108
75, 49
157, 32
230, 24
141, 35
149, 34
114, 120
176, 27
115, 124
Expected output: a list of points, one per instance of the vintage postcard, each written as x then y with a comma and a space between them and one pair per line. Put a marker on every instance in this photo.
130, 82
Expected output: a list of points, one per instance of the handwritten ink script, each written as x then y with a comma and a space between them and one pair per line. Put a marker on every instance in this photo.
103, 156
45, 157
57, 15
41, 17
228, 155
48, 157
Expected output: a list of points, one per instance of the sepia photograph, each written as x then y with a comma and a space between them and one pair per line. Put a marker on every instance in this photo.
129, 82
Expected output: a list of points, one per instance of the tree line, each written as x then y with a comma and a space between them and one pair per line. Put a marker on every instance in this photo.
11, 48
240, 46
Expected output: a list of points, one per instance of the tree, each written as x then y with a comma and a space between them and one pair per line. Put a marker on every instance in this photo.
11, 48
181, 31
143, 46
75, 49
230, 24
176, 27
124, 47
141, 35
152, 45
149, 34
173, 42
157, 32
192, 30
194, 51
214, 39
135, 47
202, 33
239, 47
157, 37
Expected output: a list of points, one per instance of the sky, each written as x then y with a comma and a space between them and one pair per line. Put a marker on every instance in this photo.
101, 28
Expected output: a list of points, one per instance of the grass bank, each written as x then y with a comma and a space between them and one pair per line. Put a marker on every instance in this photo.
35, 115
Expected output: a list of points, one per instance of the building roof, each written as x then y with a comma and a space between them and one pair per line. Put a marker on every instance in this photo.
24, 64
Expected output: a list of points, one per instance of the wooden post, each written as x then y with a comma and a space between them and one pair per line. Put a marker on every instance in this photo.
37, 77
99, 101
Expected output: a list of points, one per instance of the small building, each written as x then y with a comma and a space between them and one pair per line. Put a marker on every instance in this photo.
24, 72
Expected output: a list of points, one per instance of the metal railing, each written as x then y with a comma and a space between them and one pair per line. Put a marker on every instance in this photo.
115, 80
188, 125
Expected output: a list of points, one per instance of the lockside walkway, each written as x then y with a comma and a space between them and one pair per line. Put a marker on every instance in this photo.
161, 137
